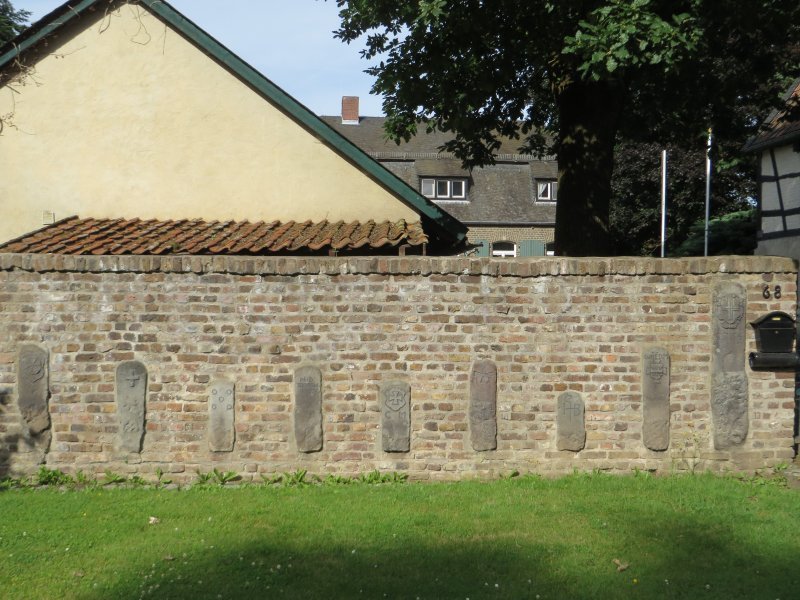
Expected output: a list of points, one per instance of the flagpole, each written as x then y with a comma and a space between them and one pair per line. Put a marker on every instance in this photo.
663, 201
708, 187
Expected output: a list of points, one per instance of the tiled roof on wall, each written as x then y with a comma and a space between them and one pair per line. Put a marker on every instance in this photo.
135, 236
440, 225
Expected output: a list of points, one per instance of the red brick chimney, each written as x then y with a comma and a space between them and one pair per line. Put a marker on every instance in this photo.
350, 110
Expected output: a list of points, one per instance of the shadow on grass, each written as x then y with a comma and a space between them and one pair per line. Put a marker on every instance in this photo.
665, 560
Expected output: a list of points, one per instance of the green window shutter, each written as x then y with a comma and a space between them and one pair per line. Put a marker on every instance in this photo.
483, 250
532, 248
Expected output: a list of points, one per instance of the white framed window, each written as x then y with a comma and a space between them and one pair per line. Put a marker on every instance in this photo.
444, 188
546, 191
504, 249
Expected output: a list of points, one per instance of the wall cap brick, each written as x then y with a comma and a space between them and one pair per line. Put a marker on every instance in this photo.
518, 267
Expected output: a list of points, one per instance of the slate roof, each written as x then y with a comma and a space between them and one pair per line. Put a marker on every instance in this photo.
134, 236
369, 135
781, 126
499, 194
443, 228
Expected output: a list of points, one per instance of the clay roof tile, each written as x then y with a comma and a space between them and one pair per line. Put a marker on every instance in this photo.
136, 236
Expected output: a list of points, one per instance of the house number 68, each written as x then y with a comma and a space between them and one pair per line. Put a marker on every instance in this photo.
767, 294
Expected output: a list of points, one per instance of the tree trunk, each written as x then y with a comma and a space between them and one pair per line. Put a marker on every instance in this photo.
588, 119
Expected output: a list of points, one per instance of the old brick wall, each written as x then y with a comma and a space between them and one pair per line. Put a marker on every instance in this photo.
549, 325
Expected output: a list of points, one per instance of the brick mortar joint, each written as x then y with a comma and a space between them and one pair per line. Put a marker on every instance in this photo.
520, 267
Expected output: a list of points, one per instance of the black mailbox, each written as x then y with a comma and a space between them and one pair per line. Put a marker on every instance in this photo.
775, 334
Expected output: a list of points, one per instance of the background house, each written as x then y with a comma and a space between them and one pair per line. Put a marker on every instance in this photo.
127, 110
509, 207
779, 179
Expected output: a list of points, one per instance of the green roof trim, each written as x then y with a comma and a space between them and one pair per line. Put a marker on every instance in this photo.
447, 227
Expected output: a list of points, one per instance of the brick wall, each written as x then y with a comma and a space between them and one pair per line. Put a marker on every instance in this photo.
549, 325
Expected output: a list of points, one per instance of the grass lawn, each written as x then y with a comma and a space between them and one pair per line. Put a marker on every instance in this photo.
681, 537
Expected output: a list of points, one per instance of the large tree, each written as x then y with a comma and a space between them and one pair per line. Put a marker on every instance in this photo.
585, 70
12, 21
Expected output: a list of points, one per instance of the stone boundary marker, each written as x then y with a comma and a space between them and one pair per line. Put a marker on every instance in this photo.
483, 406
131, 394
395, 399
221, 415
34, 387
308, 409
729, 388
571, 422
655, 398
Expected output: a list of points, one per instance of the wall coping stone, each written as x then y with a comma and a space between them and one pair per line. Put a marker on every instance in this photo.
291, 265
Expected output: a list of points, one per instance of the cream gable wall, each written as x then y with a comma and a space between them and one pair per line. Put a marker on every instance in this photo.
128, 119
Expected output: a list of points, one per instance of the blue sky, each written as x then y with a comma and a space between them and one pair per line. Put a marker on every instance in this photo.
289, 41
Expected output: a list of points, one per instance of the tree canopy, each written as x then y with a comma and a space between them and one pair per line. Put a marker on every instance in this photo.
584, 71
12, 21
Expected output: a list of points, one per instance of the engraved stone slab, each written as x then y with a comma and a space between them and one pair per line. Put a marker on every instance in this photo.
33, 384
570, 422
655, 398
221, 434
308, 409
131, 393
729, 388
728, 327
729, 408
483, 406
395, 399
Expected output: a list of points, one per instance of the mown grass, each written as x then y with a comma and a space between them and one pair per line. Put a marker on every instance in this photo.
681, 537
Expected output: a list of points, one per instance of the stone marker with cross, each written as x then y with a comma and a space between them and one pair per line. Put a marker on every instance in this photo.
655, 398
483, 406
395, 401
729, 386
131, 395
570, 425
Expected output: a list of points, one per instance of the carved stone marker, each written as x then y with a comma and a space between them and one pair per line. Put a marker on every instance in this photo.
131, 393
395, 399
308, 409
570, 422
729, 409
729, 393
483, 406
730, 304
33, 385
655, 398
221, 434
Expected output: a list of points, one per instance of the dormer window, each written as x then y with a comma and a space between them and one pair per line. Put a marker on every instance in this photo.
546, 191
444, 188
